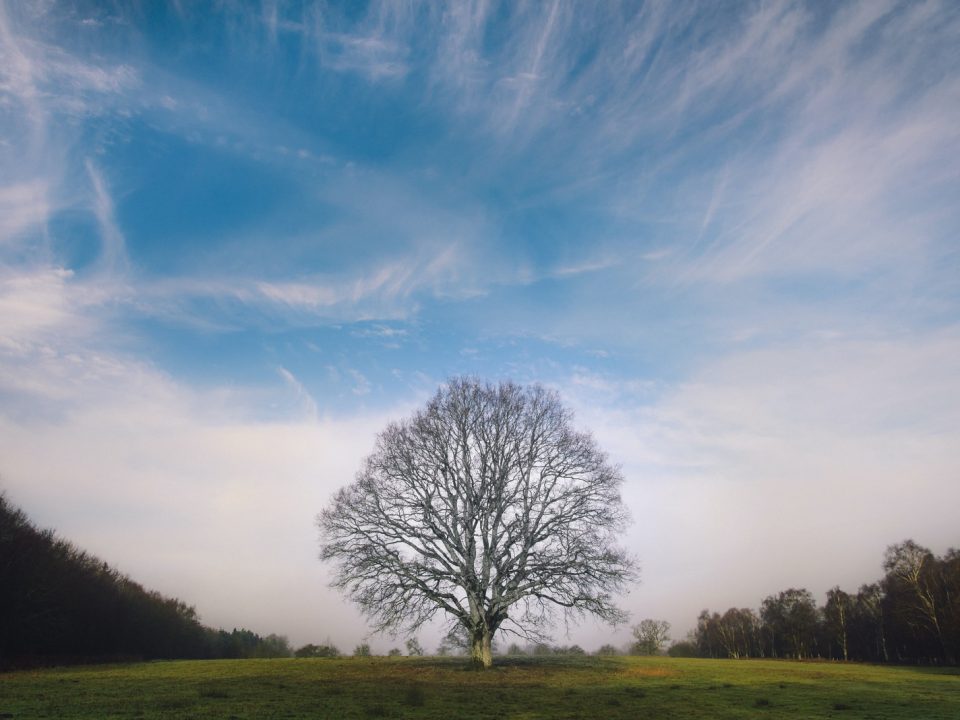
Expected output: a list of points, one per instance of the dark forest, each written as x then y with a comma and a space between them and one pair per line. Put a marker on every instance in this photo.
59, 604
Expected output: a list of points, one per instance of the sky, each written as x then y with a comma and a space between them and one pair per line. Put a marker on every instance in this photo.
238, 239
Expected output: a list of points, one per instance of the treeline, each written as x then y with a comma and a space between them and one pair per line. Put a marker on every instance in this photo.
911, 615
59, 604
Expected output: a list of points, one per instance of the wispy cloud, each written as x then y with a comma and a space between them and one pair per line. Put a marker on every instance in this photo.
309, 404
113, 256
361, 385
524, 82
47, 79
371, 56
47, 94
23, 206
797, 113
18, 75
374, 47
839, 192
390, 290
32, 304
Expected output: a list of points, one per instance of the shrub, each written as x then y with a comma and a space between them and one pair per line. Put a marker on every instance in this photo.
328, 650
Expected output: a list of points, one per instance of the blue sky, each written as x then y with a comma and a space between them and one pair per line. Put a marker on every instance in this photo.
236, 240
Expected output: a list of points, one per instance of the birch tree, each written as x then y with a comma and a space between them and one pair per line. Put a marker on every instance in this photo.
488, 507
914, 584
836, 615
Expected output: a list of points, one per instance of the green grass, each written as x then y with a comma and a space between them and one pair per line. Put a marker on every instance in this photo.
515, 688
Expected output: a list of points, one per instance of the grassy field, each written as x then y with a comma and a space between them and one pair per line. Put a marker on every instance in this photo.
442, 688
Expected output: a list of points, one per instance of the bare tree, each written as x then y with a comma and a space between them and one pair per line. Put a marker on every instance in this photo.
487, 506
836, 615
912, 580
650, 636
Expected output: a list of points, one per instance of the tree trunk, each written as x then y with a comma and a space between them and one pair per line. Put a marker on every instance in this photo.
480, 651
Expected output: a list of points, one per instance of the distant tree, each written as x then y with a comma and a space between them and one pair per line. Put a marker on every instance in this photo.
243, 643
328, 650
649, 636
949, 571
836, 616
413, 647
738, 632
273, 646
918, 589
514, 649
362, 650
542, 648
486, 506
394, 652
868, 634
683, 649
607, 650
790, 621
911, 615
306, 651
455, 642
708, 644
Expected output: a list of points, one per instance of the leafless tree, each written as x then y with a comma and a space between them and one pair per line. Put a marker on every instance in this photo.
910, 577
488, 506
650, 636
836, 615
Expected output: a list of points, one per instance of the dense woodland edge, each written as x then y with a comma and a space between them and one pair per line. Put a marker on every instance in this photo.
60, 605
910, 615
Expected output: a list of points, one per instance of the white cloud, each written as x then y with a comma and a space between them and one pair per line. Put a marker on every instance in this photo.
44, 305
523, 83
840, 203
375, 46
23, 206
361, 385
386, 291
381, 331
113, 256
807, 140
372, 56
310, 409
45, 78
459, 60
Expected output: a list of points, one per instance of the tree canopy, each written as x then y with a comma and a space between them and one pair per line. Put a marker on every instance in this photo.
486, 506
